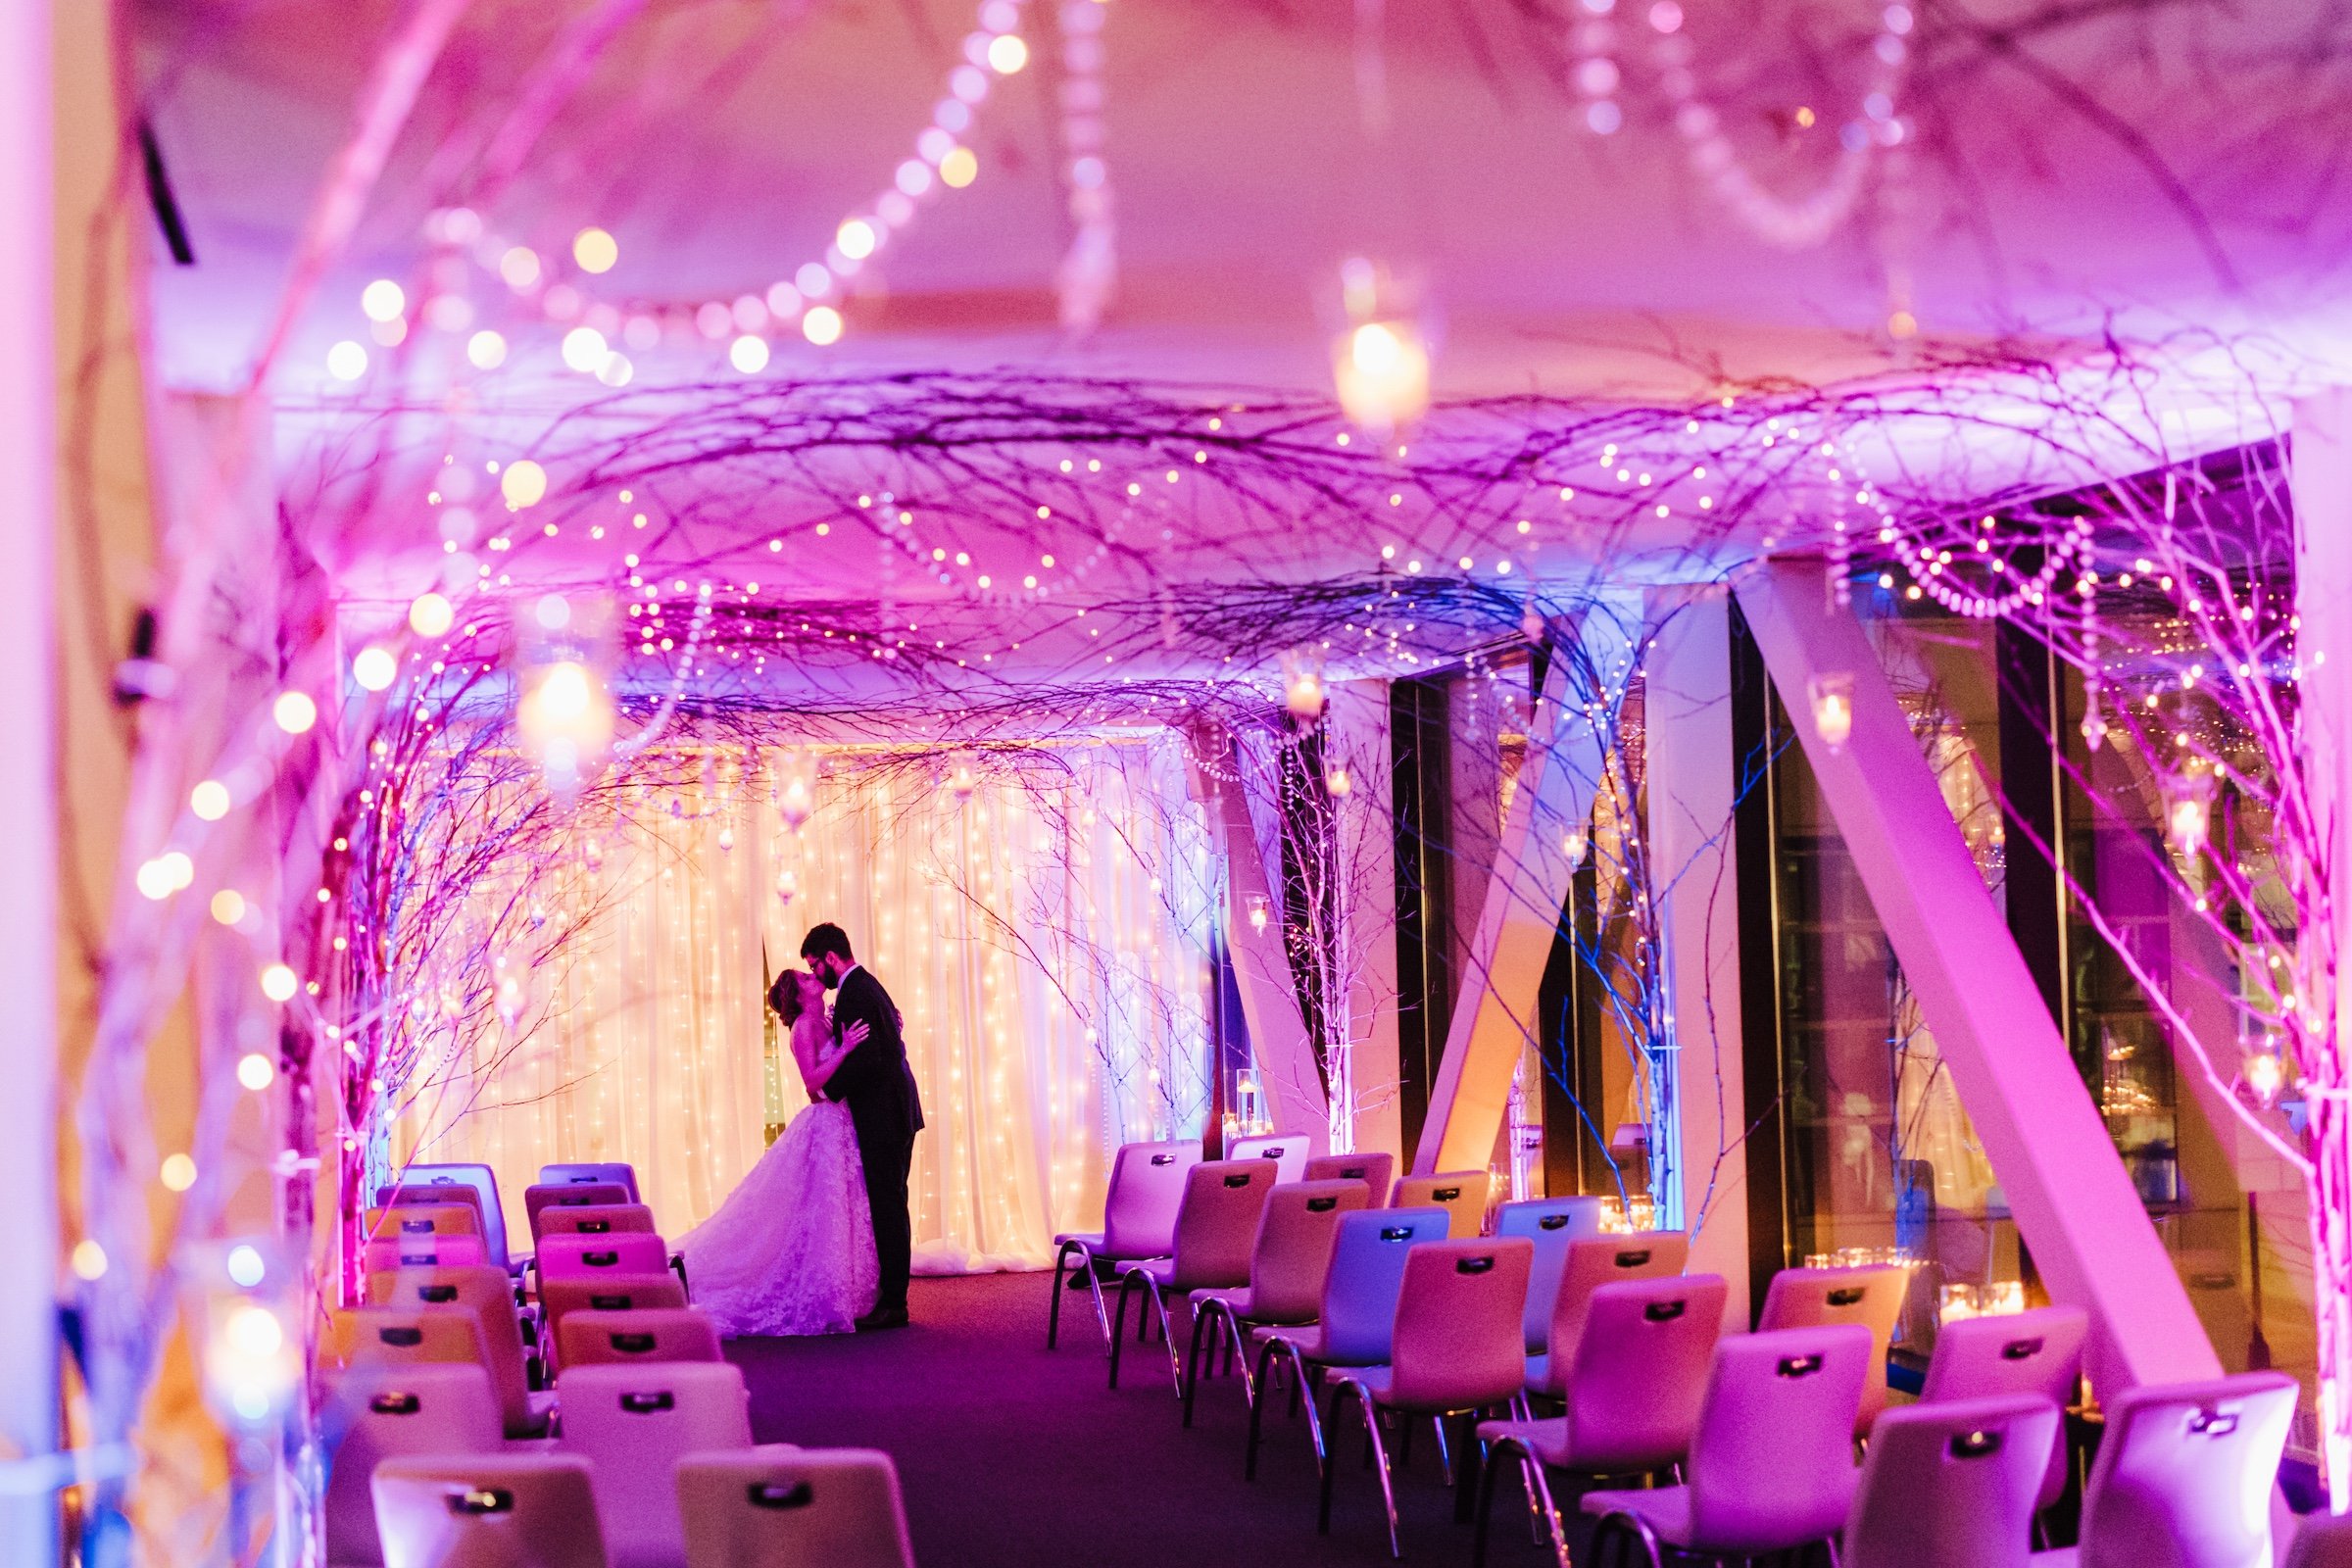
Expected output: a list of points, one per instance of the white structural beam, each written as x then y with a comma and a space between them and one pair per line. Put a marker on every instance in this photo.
29, 954
1261, 970
2073, 1204
1494, 1012
1691, 771
2322, 482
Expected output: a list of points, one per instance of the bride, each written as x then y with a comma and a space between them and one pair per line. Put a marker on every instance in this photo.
792, 1248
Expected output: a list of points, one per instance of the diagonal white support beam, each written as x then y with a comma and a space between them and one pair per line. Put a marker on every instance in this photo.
2073, 1204
1262, 972
1494, 1013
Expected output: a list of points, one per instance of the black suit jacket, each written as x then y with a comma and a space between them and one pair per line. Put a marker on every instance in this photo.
874, 1081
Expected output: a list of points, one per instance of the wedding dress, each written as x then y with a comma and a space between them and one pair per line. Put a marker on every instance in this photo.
792, 1248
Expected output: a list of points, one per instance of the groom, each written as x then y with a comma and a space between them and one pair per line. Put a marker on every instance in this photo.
874, 1081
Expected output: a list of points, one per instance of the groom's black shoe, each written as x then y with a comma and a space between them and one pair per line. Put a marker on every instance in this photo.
883, 1317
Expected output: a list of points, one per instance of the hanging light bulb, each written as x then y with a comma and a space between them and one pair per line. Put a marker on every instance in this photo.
2190, 820
1380, 363
726, 839
795, 796
2264, 1072
1257, 911
788, 886
1337, 781
1573, 844
963, 776
1832, 698
2094, 727
1302, 684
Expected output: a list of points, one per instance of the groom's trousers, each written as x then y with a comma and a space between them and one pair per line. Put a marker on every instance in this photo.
886, 1167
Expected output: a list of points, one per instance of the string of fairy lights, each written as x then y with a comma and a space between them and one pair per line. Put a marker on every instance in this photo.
602, 329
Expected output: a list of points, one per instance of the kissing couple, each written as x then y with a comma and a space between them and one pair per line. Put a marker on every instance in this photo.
817, 1238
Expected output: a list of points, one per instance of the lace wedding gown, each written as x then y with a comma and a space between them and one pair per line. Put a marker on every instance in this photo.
792, 1248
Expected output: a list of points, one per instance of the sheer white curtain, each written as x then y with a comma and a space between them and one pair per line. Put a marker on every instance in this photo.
1045, 934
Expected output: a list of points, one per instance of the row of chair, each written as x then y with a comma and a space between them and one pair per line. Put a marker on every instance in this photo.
1393, 1313
654, 1468
1149, 1183
598, 1295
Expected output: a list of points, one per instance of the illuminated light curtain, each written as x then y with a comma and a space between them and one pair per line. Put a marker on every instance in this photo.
1044, 936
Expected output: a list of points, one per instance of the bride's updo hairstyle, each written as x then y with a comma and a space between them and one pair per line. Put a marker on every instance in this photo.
787, 997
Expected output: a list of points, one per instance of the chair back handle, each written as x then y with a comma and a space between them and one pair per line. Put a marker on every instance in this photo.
1395, 1233
1446, 1194
2213, 1423
417, 1227
405, 1338
1663, 1311
1321, 1206
1847, 1296
480, 1500
1799, 1366
1473, 1265
1163, 1159
600, 1259
1553, 1222
632, 1344
437, 1295
1982, 1443
777, 1494
595, 1227
610, 1304
1239, 1179
396, 1404
649, 1404
1632, 1260
2021, 1350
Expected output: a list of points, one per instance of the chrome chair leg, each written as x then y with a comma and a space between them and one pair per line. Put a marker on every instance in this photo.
1118, 1328
1167, 1335
1190, 1386
1237, 1356
1445, 1451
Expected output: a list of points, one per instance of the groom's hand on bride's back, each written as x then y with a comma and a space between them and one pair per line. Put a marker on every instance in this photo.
854, 1036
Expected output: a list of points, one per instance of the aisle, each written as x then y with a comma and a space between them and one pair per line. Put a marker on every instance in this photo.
1011, 1455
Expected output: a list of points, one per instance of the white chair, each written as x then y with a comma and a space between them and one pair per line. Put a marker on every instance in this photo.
611, 1170
1873, 1296
2038, 1353
1138, 1221
1287, 1265
1357, 1320
1288, 1151
1216, 1225
1772, 1464
1592, 1264
1635, 1385
633, 1424
1459, 1350
629, 1338
1375, 1170
1951, 1485
492, 1510
481, 1181
373, 1414
1551, 1223
489, 1295
1461, 1193
781, 1507
2183, 1476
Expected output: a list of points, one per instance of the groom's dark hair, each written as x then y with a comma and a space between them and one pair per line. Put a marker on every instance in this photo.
827, 938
